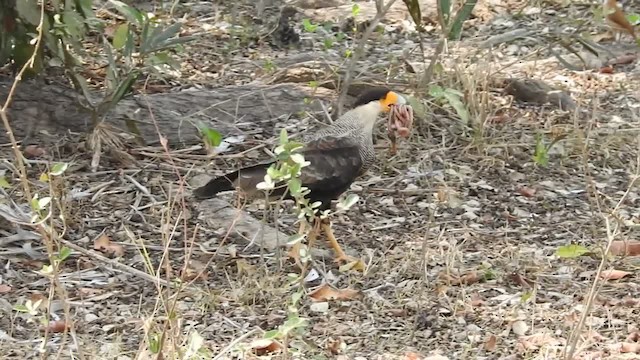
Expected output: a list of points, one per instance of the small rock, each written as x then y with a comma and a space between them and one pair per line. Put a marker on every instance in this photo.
474, 329
520, 328
513, 49
320, 307
90, 318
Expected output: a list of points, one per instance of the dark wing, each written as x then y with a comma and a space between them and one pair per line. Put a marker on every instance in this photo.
334, 164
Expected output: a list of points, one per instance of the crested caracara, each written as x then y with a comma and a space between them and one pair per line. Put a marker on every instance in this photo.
337, 154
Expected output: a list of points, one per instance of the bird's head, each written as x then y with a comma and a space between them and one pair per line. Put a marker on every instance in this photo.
384, 97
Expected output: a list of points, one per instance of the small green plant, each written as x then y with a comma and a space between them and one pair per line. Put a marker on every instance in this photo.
355, 10
453, 98
308, 26
451, 26
541, 153
571, 251
295, 325
269, 66
211, 138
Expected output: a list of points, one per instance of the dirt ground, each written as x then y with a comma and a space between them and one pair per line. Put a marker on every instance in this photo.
459, 230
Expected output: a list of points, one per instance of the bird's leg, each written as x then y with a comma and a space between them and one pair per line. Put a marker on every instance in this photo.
340, 254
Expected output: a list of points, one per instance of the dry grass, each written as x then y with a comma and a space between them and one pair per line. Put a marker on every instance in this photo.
459, 230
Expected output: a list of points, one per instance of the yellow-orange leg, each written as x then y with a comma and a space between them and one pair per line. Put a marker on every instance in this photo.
340, 254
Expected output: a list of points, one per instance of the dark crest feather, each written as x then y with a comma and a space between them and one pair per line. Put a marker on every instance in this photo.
370, 95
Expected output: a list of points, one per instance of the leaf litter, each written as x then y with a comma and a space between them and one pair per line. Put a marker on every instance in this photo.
467, 209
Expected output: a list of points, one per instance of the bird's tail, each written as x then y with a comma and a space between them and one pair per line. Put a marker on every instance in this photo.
214, 186
251, 176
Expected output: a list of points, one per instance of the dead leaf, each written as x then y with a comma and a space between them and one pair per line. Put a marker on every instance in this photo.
35, 297
245, 268
626, 347
613, 274
476, 300
326, 292
335, 346
594, 336
571, 319
490, 343
520, 280
398, 312
537, 340
104, 244
4, 289
526, 191
466, 279
412, 356
33, 151
606, 70
265, 346
58, 326
194, 270
625, 248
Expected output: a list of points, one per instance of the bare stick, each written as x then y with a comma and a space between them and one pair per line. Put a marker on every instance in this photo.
380, 13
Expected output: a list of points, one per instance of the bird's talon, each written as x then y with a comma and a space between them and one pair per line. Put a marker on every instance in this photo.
350, 263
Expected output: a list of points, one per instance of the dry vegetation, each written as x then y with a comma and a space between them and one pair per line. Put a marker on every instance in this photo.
460, 229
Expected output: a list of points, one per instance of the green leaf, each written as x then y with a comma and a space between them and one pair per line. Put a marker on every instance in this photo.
20, 308
419, 109
348, 202
58, 169
571, 251
284, 138
293, 322
633, 18
355, 10
295, 185
160, 38
64, 253
271, 334
461, 16
458, 105
4, 183
308, 26
541, 154
34, 203
154, 343
294, 239
42, 203
74, 24
436, 91
414, 10
295, 298
211, 136
444, 10
132, 14
29, 11
120, 36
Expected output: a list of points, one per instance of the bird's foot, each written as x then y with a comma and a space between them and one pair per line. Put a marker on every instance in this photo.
350, 263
